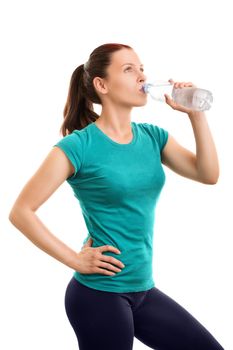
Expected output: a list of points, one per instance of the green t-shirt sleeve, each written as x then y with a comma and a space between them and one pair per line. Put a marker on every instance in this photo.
72, 147
162, 137
160, 134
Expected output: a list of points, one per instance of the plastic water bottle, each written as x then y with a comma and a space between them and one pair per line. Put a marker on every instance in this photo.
191, 97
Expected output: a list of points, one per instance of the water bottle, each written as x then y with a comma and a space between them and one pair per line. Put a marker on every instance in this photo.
191, 97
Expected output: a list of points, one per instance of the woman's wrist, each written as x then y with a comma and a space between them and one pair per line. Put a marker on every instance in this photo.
196, 114
72, 260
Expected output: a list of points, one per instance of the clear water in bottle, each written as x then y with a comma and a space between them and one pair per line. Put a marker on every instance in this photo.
191, 97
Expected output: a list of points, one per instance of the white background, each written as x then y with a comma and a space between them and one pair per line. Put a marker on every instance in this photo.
42, 42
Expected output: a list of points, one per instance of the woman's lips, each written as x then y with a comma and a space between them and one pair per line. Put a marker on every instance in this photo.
141, 88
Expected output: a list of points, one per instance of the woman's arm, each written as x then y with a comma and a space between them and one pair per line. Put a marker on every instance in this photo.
202, 167
51, 174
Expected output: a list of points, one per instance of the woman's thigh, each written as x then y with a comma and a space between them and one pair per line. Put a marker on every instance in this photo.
101, 320
162, 324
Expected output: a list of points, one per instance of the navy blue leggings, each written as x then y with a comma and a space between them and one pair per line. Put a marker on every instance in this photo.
109, 321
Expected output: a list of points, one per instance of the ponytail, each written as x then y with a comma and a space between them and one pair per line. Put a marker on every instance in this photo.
78, 111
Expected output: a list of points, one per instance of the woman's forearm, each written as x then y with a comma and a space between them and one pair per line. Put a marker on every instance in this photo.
26, 221
206, 155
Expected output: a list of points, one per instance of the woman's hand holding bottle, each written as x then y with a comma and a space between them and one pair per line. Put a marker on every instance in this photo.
171, 102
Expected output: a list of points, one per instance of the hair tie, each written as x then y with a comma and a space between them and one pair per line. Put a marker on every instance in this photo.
85, 66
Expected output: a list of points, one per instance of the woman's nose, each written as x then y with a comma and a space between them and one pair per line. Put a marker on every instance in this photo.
142, 77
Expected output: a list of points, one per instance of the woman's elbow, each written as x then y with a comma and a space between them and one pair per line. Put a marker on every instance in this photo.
16, 213
12, 217
212, 180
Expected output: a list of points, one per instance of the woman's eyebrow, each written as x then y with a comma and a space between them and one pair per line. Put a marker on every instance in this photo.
132, 64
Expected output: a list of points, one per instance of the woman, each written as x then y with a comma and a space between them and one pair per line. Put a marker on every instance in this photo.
114, 167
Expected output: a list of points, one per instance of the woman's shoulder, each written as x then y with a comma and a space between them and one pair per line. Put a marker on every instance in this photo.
155, 132
151, 127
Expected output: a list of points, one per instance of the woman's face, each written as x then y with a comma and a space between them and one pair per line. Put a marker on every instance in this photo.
125, 79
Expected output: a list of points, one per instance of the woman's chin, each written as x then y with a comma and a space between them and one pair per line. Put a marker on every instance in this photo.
141, 103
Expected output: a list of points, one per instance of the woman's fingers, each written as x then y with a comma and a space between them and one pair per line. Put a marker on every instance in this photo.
171, 102
174, 105
181, 84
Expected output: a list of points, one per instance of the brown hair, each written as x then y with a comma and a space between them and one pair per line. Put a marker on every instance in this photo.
78, 111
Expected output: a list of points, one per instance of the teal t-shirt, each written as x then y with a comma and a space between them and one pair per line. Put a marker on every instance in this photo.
118, 186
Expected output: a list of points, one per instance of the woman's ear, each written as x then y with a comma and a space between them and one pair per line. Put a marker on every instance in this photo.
100, 85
